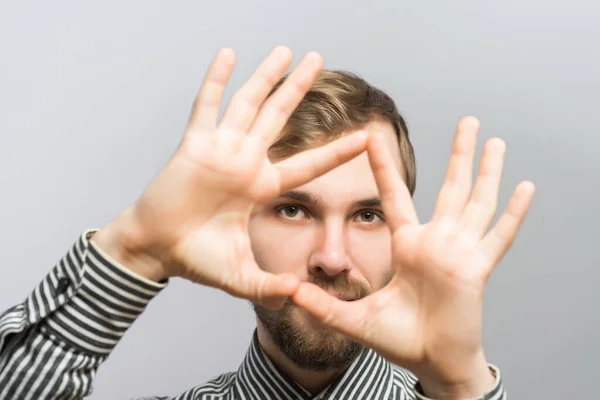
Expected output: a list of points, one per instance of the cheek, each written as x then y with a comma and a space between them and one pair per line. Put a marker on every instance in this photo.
371, 252
279, 248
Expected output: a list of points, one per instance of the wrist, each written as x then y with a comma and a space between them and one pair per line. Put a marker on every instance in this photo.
481, 381
117, 241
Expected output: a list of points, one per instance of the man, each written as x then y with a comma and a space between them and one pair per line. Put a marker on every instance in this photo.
280, 204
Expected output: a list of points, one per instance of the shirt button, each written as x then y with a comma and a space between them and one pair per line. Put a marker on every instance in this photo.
62, 285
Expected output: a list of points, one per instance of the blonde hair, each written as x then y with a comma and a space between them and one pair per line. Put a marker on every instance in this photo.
340, 101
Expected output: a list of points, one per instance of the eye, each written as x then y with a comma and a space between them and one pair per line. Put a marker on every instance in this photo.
369, 216
290, 212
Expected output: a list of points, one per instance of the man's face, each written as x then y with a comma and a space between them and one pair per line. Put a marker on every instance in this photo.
332, 232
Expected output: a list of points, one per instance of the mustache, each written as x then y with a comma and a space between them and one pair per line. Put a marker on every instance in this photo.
341, 284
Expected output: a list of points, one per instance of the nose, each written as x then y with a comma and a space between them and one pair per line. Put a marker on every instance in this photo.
329, 257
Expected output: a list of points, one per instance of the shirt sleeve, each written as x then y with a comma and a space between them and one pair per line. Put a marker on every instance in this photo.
497, 393
52, 344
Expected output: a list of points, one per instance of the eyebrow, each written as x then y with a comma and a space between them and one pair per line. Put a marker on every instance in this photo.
310, 198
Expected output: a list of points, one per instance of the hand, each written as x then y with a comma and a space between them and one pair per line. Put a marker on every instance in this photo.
428, 319
192, 220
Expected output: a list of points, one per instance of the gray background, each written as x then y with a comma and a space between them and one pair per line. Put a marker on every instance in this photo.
94, 97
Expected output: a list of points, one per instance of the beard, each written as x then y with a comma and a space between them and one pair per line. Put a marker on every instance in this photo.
312, 346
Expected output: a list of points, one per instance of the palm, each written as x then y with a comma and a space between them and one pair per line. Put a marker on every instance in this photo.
433, 275
209, 225
430, 312
197, 209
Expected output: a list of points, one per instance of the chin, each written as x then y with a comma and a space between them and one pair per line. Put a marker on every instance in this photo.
307, 342
301, 317
313, 329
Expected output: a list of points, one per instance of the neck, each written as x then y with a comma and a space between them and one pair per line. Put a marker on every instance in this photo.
313, 381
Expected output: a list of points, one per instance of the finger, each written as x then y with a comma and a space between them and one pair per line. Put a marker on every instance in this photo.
206, 105
307, 165
244, 104
499, 239
276, 289
264, 288
396, 200
480, 210
276, 111
457, 183
348, 318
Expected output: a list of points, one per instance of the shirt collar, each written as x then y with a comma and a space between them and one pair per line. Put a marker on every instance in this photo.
370, 376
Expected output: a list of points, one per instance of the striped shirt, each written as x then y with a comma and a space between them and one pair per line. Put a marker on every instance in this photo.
52, 344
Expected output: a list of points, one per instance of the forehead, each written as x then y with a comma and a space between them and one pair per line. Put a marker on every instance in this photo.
354, 180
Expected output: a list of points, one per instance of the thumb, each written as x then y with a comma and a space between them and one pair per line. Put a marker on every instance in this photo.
267, 289
346, 317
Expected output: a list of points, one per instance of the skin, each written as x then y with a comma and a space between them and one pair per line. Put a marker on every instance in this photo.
333, 237
193, 221
429, 317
